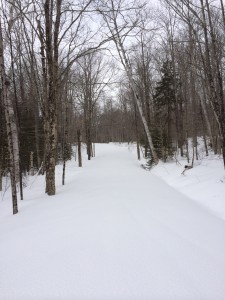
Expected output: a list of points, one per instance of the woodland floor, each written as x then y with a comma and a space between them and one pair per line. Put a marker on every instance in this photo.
114, 231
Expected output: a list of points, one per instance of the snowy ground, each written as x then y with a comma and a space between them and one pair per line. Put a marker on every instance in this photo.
205, 183
114, 232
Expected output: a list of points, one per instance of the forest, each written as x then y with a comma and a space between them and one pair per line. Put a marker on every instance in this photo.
77, 72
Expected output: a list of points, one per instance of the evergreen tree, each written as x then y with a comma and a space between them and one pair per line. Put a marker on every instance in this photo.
164, 102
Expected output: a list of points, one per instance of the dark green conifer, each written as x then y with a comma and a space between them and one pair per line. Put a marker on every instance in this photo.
164, 103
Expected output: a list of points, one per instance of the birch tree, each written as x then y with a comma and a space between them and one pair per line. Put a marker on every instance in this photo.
121, 20
11, 126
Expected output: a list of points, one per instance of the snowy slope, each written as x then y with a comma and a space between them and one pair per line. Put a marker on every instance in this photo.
114, 232
205, 183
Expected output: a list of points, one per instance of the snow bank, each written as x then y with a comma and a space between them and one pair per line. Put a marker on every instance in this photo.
205, 183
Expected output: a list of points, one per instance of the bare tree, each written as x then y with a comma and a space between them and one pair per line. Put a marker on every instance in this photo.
120, 19
200, 17
11, 125
90, 78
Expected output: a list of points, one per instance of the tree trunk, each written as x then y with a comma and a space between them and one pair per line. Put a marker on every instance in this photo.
137, 133
79, 148
0, 177
217, 98
52, 63
205, 113
187, 148
204, 136
20, 175
12, 132
123, 57
65, 137
32, 163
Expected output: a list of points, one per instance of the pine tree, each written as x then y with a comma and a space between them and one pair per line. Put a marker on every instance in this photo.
164, 102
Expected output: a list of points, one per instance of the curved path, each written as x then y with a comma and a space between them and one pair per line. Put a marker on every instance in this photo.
114, 232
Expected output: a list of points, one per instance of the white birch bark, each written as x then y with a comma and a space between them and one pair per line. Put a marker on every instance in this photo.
11, 126
116, 37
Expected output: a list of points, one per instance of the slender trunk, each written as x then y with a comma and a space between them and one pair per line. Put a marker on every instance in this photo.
88, 142
79, 148
2, 119
37, 139
137, 133
19, 176
181, 126
178, 117
44, 97
65, 139
193, 155
222, 137
223, 13
204, 136
35, 112
88, 130
64, 172
32, 163
187, 148
193, 93
205, 113
93, 149
123, 57
0, 177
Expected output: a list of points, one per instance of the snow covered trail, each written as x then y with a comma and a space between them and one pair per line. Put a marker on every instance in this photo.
114, 232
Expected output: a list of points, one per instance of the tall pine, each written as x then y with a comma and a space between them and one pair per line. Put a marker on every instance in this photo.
164, 104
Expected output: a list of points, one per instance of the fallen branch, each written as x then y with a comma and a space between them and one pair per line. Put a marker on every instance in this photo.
192, 163
186, 168
145, 167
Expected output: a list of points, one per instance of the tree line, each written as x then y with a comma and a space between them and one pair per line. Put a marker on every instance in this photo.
108, 71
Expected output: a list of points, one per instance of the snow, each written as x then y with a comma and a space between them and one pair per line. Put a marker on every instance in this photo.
114, 231
205, 183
